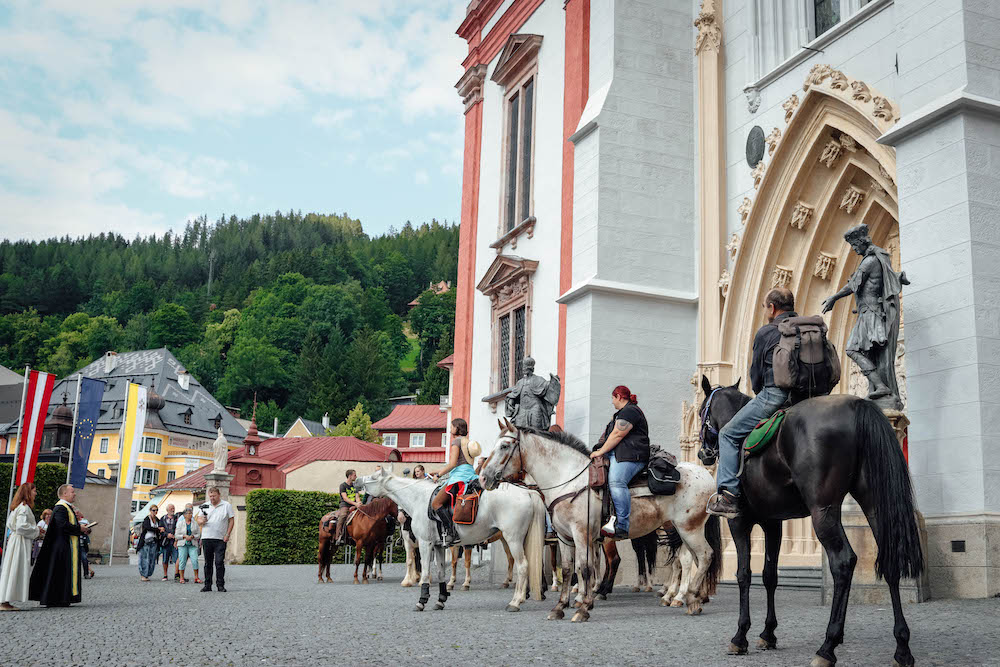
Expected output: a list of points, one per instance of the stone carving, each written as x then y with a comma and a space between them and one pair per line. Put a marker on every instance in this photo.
220, 453
848, 142
838, 80
901, 369
852, 198
532, 400
470, 86
886, 175
772, 140
790, 105
510, 291
831, 152
733, 246
753, 99
825, 264
883, 108
861, 91
877, 188
744, 210
816, 75
872, 343
724, 281
781, 276
709, 31
689, 422
801, 215
757, 173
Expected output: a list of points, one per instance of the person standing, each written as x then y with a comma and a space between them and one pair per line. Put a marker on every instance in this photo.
216, 518
16, 568
43, 525
188, 538
55, 580
84, 546
168, 548
149, 543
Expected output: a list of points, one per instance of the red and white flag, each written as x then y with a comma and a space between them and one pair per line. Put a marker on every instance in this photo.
36, 407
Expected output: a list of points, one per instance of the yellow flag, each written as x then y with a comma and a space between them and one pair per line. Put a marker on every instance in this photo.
134, 421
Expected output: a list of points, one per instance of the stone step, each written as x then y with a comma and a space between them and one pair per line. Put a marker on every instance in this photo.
798, 578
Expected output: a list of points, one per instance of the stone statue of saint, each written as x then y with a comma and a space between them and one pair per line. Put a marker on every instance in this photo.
533, 399
220, 453
872, 343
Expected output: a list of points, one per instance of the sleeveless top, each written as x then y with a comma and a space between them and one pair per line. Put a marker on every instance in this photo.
463, 472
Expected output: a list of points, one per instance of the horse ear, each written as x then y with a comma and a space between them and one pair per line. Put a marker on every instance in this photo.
738, 380
503, 429
387, 468
706, 386
510, 426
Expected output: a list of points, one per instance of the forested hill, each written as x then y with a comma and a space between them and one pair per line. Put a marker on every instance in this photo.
306, 310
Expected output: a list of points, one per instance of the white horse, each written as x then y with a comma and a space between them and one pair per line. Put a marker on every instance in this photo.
517, 512
558, 463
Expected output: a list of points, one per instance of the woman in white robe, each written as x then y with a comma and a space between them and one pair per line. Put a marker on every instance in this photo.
16, 568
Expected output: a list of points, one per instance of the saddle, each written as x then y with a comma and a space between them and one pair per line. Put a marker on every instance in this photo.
464, 505
763, 434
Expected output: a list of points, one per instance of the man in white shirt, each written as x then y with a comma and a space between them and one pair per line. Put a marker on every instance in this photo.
216, 518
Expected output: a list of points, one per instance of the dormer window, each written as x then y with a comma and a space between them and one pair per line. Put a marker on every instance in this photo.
187, 416
217, 422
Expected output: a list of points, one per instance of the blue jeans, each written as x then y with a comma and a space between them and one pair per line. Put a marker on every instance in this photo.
620, 473
733, 434
147, 558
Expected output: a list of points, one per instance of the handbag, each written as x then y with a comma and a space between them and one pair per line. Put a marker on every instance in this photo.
598, 472
466, 508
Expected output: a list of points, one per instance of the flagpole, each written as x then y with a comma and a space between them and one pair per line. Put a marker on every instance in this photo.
20, 419
76, 416
118, 482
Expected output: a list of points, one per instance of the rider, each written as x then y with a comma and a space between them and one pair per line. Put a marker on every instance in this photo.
626, 444
350, 499
459, 469
768, 399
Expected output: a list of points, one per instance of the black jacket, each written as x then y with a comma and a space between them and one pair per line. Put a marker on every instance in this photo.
762, 364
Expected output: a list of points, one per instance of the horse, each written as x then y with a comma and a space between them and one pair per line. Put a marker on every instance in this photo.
326, 547
645, 553
827, 447
558, 463
412, 552
465, 553
517, 513
371, 526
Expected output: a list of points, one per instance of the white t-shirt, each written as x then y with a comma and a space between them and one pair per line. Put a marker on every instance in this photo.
216, 520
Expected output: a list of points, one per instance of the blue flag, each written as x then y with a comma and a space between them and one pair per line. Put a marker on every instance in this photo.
89, 410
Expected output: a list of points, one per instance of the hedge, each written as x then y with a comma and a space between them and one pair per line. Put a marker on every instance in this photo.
283, 525
48, 478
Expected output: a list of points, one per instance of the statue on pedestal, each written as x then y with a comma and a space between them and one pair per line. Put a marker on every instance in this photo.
532, 400
872, 343
220, 453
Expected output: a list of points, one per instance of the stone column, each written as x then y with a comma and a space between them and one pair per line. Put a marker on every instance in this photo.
221, 481
948, 158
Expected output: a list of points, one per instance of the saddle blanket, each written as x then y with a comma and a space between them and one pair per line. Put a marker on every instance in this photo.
762, 434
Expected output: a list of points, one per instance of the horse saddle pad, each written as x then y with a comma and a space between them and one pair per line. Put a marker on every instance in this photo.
762, 434
350, 518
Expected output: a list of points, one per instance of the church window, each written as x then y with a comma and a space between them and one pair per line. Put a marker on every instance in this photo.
826, 14
519, 324
508, 285
504, 340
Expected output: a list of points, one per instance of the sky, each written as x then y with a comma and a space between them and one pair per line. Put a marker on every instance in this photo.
134, 117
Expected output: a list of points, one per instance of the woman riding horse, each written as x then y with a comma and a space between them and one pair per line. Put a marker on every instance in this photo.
459, 469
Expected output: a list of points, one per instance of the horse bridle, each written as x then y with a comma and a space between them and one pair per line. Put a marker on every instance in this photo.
499, 476
707, 429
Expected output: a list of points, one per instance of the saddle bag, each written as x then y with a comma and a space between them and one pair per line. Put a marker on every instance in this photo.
805, 362
466, 508
662, 473
598, 472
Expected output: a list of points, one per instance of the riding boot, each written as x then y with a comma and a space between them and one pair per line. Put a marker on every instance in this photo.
448, 533
879, 388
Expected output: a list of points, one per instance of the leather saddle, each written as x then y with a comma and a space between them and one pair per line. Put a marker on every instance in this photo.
470, 489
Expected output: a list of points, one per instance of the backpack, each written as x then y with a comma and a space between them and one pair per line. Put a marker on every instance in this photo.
805, 362
662, 472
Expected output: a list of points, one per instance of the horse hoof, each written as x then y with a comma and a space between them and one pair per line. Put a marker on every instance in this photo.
556, 615
736, 650
648, 589
451, 587
635, 589
406, 584
820, 661
602, 596
419, 607
766, 645
676, 603
356, 581
665, 603
505, 584
693, 610
466, 587
580, 617
554, 588
511, 607
906, 662
438, 606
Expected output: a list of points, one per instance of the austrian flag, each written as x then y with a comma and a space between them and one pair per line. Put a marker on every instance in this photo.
36, 407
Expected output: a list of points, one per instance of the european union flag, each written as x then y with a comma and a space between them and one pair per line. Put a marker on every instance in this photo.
88, 411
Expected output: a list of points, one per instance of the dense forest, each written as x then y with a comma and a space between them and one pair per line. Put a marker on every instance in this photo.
306, 311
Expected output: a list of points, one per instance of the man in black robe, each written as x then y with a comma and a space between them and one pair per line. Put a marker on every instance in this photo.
55, 579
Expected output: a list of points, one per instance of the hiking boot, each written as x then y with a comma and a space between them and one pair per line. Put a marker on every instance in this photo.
621, 534
724, 504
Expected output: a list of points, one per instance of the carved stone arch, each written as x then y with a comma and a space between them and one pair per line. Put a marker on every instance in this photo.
828, 173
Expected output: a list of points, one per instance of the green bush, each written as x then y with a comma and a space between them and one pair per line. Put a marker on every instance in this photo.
283, 525
48, 477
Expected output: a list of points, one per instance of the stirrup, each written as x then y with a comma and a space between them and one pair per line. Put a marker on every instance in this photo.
608, 529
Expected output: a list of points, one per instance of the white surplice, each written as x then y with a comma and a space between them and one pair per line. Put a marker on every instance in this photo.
16, 567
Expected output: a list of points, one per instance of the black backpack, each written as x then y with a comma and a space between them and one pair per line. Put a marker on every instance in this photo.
662, 472
805, 362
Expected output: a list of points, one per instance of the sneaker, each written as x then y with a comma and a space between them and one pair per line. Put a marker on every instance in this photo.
164, 578
177, 576
724, 504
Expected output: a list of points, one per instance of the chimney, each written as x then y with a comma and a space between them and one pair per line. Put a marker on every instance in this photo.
110, 361
326, 420
184, 380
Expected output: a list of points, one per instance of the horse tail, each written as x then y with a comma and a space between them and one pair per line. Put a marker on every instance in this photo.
651, 547
534, 543
890, 489
713, 533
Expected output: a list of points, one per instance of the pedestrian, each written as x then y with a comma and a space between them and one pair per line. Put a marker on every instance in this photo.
55, 579
16, 568
168, 548
43, 525
88, 573
188, 537
216, 518
149, 543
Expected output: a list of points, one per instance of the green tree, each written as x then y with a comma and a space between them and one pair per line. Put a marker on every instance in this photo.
253, 365
170, 326
435, 382
396, 279
357, 425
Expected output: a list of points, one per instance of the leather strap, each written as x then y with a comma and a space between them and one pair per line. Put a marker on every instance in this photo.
572, 495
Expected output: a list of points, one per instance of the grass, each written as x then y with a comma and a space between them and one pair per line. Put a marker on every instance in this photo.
409, 362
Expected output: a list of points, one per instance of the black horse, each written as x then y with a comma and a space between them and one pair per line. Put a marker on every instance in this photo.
827, 447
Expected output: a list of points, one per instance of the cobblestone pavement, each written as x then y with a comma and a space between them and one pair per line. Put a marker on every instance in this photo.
279, 615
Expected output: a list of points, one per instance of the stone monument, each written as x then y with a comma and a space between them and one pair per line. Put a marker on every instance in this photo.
219, 478
532, 400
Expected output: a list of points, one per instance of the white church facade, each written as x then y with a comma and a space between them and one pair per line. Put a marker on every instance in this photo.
638, 174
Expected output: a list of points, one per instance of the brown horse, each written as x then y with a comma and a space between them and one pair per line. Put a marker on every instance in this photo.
372, 525
327, 549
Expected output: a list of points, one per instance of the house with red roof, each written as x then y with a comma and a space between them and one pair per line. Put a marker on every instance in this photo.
410, 427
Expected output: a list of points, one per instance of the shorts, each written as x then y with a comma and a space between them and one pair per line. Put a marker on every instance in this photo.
168, 553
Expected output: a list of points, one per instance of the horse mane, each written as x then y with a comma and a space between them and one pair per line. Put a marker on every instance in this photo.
563, 438
377, 507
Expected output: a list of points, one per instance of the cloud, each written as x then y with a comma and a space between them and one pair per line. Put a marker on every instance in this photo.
420, 177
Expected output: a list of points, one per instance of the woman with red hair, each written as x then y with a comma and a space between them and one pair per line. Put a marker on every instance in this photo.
626, 444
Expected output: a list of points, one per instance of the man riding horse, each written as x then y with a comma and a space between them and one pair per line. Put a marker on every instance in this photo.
768, 399
350, 500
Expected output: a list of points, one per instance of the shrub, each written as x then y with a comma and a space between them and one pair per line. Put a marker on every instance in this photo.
283, 525
48, 478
